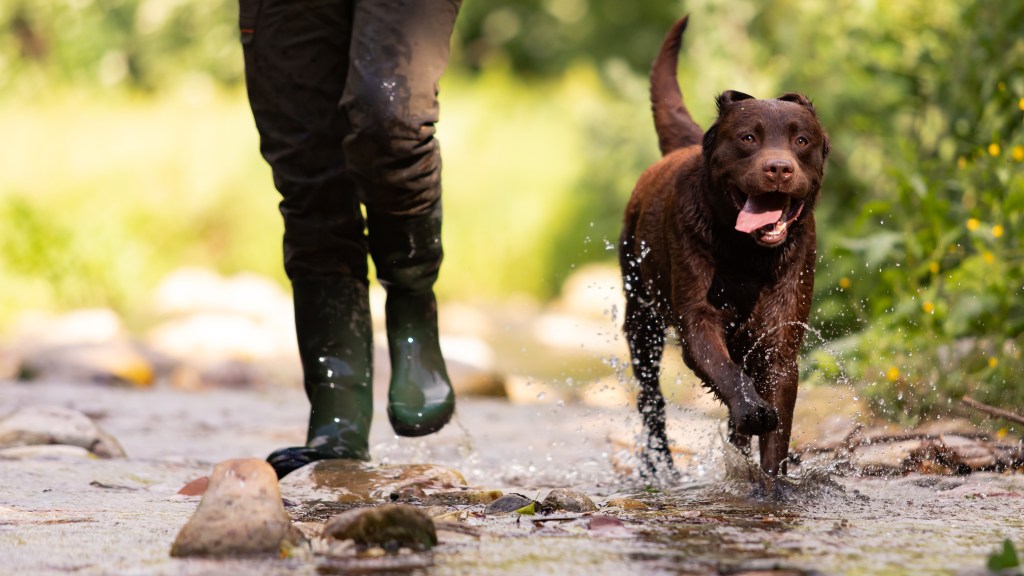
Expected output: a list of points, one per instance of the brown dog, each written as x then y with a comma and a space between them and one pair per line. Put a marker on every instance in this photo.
718, 243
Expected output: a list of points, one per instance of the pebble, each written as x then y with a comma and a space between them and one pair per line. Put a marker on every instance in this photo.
627, 504
462, 498
507, 503
569, 501
241, 513
391, 527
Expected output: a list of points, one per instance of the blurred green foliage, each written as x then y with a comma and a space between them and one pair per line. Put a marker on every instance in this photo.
129, 151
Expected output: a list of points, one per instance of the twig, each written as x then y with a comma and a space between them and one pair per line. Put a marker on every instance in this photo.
992, 410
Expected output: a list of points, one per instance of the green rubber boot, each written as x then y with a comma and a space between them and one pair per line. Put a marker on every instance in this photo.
332, 321
407, 253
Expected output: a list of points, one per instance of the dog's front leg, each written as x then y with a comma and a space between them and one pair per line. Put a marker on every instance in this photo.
705, 352
781, 392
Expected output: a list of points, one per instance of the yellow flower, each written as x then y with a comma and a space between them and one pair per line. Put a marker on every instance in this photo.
993, 362
844, 282
994, 149
973, 223
1017, 152
928, 307
934, 267
961, 162
997, 231
1001, 433
892, 374
1021, 104
988, 257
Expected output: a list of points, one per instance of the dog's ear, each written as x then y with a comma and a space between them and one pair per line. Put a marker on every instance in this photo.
804, 101
709, 140
797, 98
730, 96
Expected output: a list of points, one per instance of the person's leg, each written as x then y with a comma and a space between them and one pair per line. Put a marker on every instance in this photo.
296, 63
399, 50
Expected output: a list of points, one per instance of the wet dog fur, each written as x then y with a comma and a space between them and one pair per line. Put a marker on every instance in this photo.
718, 243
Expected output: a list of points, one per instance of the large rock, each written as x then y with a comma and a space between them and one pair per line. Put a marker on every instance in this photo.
356, 482
83, 345
241, 513
391, 527
44, 425
217, 331
115, 362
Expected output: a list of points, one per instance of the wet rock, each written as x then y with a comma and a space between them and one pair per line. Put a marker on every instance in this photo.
462, 498
626, 504
884, 459
241, 513
354, 481
391, 527
569, 501
507, 503
42, 425
115, 362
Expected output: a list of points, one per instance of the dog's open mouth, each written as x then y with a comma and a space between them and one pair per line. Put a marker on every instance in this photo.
767, 217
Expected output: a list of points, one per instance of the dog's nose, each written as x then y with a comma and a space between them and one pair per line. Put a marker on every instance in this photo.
778, 170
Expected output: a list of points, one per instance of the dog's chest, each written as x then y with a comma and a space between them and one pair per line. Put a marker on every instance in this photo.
735, 293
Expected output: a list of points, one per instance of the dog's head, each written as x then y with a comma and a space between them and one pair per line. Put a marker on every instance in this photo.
765, 160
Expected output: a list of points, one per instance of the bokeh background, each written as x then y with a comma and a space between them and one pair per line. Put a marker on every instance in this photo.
128, 151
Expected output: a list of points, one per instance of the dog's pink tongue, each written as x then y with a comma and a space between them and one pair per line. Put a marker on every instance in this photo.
760, 211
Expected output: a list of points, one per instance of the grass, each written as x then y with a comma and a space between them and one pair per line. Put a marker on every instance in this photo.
103, 195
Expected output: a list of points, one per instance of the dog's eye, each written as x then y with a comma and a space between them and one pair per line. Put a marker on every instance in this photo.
747, 138
801, 141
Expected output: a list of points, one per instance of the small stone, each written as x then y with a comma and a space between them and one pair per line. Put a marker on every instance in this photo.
507, 503
196, 487
569, 500
43, 425
627, 504
462, 498
241, 513
391, 527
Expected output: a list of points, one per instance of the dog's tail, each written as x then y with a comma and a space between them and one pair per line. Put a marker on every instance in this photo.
672, 121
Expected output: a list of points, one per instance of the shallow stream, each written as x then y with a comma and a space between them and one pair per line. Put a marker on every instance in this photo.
61, 513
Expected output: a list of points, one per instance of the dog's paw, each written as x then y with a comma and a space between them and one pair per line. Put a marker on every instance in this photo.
754, 418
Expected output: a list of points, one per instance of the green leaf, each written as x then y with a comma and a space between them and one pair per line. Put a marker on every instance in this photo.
528, 510
1006, 558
